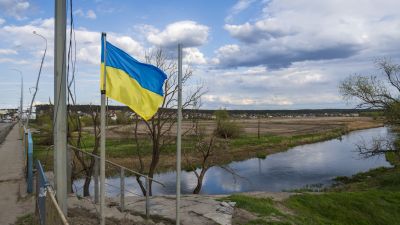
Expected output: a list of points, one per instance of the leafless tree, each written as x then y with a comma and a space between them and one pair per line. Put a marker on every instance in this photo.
379, 92
373, 91
205, 148
86, 164
159, 127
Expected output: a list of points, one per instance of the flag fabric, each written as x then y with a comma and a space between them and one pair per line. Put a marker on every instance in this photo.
128, 81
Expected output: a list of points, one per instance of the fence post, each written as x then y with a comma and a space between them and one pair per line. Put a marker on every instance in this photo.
30, 163
122, 179
96, 180
37, 214
147, 198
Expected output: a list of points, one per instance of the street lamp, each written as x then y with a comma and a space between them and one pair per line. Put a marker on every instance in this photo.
22, 94
38, 77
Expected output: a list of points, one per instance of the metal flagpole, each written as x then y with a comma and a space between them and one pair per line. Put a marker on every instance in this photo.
60, 105
103, 135
178, 137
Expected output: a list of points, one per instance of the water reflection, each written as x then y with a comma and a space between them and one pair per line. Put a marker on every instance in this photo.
295, 168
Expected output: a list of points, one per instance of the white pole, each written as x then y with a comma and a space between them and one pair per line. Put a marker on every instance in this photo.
103, 137
21, 101
178, 137
22, 97
60, 105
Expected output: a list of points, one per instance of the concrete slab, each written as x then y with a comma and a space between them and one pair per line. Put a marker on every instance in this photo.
195, 209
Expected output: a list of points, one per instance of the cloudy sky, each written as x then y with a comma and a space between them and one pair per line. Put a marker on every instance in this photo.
250, 54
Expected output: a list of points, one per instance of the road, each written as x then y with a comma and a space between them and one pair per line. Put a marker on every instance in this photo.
13, 199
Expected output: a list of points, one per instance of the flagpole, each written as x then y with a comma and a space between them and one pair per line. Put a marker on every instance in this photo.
103, 135
178, 137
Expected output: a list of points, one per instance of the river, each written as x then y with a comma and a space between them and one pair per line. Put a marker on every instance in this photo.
312, 164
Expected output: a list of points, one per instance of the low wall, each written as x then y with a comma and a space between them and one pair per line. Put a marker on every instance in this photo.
4, 131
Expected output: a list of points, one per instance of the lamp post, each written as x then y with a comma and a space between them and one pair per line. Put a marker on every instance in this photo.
22, 94
38, 77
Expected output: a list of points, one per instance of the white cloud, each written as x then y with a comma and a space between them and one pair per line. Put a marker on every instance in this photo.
14, 8
188, 33
90, 14
2, 21
193, 56
8, 52
238, 7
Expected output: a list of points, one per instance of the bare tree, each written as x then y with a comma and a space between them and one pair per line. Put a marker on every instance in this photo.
159, 127
86, 164
205, 148
373, 91
379, 92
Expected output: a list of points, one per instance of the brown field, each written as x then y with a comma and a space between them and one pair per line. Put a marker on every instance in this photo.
272, 126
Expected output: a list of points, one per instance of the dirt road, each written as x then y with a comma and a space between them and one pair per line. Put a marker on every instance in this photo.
13, 199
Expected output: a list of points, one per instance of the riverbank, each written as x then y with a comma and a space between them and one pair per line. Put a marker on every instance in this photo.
276, 135
372, 197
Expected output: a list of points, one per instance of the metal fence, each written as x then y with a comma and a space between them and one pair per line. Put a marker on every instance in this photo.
122, 171
28, 153
47, 210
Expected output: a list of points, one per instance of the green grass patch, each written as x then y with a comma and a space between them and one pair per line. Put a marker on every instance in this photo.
261, 206
330, 208
364, 208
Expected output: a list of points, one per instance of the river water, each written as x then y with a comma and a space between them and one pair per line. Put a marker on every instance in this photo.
311, 164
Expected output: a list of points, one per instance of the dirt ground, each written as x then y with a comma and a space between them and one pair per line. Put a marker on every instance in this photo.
275, 126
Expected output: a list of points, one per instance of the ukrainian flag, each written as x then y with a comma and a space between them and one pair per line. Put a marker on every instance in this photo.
128, 81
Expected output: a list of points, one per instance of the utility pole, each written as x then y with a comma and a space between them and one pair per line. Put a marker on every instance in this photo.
60, 106
38, 78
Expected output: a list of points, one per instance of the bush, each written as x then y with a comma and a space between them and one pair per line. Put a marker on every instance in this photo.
228, 129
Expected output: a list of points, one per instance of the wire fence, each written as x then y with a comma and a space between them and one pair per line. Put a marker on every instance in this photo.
47, 210
84, 168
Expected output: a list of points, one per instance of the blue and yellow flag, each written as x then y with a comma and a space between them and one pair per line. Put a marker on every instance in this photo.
128, 81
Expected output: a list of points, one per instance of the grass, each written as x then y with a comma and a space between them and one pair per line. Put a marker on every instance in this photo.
332, 208
261, 206
369, 207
